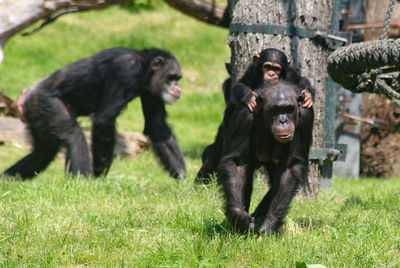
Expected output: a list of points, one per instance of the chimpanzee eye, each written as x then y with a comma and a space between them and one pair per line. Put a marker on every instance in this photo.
282, 110
289, 109
276, 69
174, 77
275, 110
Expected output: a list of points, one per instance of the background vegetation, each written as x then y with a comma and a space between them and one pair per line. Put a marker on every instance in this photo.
139, 216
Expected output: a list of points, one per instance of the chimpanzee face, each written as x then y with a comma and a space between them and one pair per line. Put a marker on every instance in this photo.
272, 63
271, 70
280, 110
166, 74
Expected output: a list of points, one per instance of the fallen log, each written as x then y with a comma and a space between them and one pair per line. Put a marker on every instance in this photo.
128, 144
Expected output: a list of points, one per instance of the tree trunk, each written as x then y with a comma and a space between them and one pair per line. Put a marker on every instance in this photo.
309, 57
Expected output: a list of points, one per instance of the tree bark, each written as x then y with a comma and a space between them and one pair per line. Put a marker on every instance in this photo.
309, 57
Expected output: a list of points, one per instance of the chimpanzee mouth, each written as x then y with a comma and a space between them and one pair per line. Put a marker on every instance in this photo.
284, 137
175, 95
170, 97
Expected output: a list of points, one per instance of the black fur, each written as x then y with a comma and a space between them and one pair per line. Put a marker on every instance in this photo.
100, 86
254, 77
241, 92
249, 142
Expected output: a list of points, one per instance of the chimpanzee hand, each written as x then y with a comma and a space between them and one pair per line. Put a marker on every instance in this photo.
252, 104
308, 102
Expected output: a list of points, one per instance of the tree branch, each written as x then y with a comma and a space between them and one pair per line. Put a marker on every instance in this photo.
16, 15
52, 17
202, 10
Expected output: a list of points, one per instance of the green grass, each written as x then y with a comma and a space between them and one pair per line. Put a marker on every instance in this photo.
140, 217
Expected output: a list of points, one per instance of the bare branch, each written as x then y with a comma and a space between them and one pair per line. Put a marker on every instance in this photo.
202, 10
16, 15
51, 18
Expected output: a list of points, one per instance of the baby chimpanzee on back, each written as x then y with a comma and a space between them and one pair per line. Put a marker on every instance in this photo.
100, 86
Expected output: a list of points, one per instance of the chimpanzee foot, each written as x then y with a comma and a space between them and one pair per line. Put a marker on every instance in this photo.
241, 220
181, 176
265, 227
204, 176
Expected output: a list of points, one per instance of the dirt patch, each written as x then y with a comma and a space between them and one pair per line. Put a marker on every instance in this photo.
380, 146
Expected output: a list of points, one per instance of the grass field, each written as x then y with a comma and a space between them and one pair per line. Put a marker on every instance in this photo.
138, 216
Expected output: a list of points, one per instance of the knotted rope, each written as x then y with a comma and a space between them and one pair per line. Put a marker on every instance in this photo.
357, 67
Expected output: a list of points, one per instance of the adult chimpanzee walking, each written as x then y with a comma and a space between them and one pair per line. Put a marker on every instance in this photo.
279, 138
270, 65
100, 86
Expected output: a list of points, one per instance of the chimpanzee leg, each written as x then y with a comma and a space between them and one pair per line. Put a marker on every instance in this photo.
237, 184
274, 207
262, 209
103, 142
66, 130
163, 140
51, 125
236, 167
34, 162
248, 185
77, 157
210, 158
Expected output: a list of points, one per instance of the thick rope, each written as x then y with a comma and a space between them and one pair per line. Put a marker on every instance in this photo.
347, 64
387, 20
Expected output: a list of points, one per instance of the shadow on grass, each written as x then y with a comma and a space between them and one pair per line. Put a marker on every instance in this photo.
213, 228
194, 151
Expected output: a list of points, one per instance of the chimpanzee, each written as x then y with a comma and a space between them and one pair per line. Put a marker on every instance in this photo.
100, 86
270, 65
279, 138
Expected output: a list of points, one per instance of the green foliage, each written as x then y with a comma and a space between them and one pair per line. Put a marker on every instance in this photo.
140, 217
138, 5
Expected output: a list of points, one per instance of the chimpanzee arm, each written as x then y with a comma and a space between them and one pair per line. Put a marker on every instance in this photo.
161, 136
304, 83
103, 127
294, 77
241, 92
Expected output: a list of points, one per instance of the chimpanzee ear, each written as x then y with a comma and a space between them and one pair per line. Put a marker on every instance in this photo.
289, 61
157, 63
255, 58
